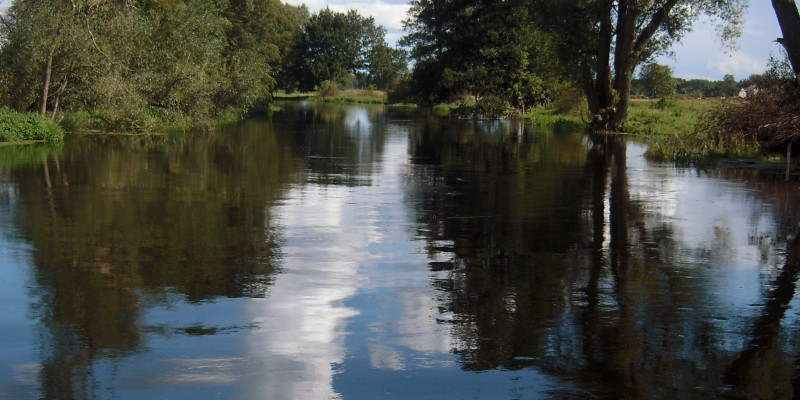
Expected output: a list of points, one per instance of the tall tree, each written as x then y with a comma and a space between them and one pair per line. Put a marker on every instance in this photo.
386, 66
657, 80
335, 46
789, 20
481, 48
605, 40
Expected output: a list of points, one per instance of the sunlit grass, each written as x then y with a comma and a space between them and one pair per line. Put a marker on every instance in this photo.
666, 116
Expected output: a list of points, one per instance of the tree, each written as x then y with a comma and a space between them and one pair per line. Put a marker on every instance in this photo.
657, 80
334, 46
605, 40
262, 33
44, 42
789, 20
386, 66
484, 49
729, 86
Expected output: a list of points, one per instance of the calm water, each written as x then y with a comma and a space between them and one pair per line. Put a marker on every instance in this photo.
334, 252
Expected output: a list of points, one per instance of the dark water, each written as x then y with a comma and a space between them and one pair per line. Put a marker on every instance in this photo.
363, 252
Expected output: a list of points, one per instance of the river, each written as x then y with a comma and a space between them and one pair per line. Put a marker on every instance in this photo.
365, 252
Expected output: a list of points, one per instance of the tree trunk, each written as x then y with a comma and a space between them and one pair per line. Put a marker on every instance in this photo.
625, 60
789, 20
598, 88
58, 98
48, 69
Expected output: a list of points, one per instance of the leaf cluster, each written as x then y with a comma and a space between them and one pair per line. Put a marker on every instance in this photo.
480, 51
17, 127
137, 64
345, 48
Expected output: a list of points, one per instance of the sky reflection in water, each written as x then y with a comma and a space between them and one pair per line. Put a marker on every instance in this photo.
361, 252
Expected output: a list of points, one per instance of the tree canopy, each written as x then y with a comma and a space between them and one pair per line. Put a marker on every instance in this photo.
136, 64
657, 80
334, 46
603, 41
481, 49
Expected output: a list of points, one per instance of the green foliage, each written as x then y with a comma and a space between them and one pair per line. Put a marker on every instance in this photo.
666, 102
657, 80
139, 65
552, 117
386, 66
18, 127
568, 100
345, 48
327, 89
695, 146
604, 42
486, 108
666, 116
443, 109
481, 50
354, 96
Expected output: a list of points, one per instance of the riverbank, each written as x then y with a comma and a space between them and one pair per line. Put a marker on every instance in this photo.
23, 128
345, 96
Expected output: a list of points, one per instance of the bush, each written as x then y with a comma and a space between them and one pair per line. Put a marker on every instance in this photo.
771, 118
327, 89
17, 127
485, 108
664, 103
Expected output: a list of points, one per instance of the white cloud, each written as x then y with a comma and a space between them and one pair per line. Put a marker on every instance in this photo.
700, 54
389, 14
739, 65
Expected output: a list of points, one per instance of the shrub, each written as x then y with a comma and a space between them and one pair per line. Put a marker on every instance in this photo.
17, 127
328, 89
771, 118
487, 107
665, 102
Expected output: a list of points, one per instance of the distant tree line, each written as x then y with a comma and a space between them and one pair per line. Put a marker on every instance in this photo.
657, 80
139, 63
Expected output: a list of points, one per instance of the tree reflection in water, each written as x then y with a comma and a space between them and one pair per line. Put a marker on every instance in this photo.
113, 238
556, 265
550, 252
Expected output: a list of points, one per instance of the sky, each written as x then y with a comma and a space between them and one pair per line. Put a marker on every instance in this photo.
700, 54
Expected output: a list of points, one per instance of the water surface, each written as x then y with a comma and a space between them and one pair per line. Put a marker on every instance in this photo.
367, 252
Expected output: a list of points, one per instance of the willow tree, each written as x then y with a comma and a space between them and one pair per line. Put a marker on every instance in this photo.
605, 40
44, 41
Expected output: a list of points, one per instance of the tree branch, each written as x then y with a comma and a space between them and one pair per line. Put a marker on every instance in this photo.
652, 27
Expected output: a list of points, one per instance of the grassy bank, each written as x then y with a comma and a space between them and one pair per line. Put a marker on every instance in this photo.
347, 96
19, 127
541, 116
669, 127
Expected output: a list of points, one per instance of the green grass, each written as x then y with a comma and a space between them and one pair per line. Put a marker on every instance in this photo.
666, 116
697, 146
23, 127
354, 96
545, 116
668, 127
347, 96
444, 109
